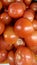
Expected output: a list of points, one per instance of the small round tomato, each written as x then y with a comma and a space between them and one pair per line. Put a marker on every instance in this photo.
11, 58
16, 10
35, 24
33, 6
28, 2
24, 56
4, 45
3, 55
19, 42
2, 27
23, 27
7, 2
6, 18
31, 41
29, 14
1, 5
9, 35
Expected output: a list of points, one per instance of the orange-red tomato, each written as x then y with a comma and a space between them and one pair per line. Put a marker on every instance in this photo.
33, 6
28, 2
4, 45
16, 10
31, 41
19, 42
1, 5
29, 14
23, 27
6, 18
2, 27
3, 55
11, 58
24, 56
10, 36
7, 2
35, 24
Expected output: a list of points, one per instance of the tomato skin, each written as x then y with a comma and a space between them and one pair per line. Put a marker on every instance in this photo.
29, 14
9, 35
1, 5
28, 2
23, 27
11, 58
6, 18
7, 2
24, 56
3, 55
2, 27
16, 10
19, 42
31, 41
33, 6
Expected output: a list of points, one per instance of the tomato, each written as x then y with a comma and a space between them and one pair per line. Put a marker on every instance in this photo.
10, 36
4, 45
1, 5
11, 58
19, 42
16, 10
7, 2
29, 14
3, 55
31, 41
24, 56
6, 18
35, 25
2, 27
28, 2
23, 27
33, 6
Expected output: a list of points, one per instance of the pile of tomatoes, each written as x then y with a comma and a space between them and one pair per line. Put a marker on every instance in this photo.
18, 32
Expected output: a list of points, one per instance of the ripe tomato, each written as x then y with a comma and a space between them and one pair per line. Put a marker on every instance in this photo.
1, 5
9, 35
33, 6
16, 10
19, 42
6, 18
7, 2
2, 27
28, 2
24, 56
23, 27
11, 58
29, 14
31, 41
3, 55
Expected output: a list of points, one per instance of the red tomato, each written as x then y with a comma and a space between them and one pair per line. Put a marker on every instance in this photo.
2, 27
9, 35
6, 18
33, 6
23, 27
28, 2
31, 41
19, 42
29, 14
11, 58
3, 55
35, 24
16, 10
1, 5
7, 2
24, 56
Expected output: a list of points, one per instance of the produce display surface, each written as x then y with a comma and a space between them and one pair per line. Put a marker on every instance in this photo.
18, 32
